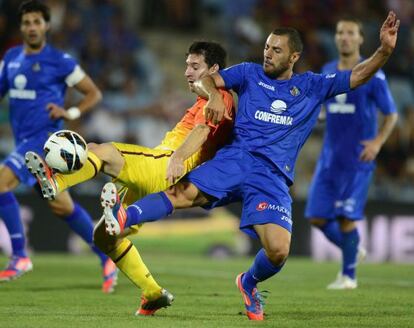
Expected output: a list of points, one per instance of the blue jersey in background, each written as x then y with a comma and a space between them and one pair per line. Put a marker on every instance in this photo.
352, 118
33, 81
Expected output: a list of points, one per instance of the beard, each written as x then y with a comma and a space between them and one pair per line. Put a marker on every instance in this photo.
274, 72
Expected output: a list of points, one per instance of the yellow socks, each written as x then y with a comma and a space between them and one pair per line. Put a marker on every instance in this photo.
88, 171
128, 260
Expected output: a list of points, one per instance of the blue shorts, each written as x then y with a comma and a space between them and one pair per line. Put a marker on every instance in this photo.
335, 193
15, 161
237, 175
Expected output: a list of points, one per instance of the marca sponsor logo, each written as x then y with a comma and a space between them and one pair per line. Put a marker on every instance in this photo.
262, 206
273, 118
266, 86
20, 82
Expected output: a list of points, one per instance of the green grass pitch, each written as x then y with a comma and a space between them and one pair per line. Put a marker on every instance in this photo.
64, 291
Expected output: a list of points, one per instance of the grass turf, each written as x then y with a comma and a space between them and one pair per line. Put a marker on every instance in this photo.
64, 291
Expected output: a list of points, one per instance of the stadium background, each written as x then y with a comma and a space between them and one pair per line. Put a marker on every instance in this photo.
135, 50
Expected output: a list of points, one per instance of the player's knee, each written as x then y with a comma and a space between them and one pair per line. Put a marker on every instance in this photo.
346, 225
278, 252
182, 195
102, 151
8, 181
61, 209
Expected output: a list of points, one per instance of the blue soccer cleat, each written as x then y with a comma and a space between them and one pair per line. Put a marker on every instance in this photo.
252, 301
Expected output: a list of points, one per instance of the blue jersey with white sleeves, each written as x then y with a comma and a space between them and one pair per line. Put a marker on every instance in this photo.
275, 117
351, 118
32, 81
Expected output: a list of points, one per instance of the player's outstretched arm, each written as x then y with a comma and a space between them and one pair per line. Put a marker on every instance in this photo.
207, 87
191, 144
388, 37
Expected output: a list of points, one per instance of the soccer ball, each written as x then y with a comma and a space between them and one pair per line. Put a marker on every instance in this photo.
65, 151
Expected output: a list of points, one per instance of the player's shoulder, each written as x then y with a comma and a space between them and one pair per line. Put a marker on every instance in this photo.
330, 67
58, 54
12, 52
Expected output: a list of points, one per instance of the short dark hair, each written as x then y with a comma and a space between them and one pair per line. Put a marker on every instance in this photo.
213, 52
352, 20
295, 42
34, 6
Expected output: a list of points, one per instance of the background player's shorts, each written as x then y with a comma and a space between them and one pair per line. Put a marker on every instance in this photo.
15, 161
338, 193
234, 175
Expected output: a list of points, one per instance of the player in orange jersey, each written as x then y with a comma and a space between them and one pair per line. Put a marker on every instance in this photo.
141, 171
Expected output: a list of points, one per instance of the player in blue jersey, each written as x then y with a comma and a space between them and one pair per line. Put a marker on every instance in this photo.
339, 188
277, 110
35, 75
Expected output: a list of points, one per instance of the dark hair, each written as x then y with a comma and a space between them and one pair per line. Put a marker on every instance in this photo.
352, 20
295, 42
34, 6
213, 53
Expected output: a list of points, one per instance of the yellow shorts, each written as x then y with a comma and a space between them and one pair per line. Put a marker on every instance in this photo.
145, 171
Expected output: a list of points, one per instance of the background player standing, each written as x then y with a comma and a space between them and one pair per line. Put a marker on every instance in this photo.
276, 113
36, 76
339, 188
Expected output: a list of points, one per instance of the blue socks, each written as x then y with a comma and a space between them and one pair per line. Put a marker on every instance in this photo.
9, 212
332, 231
261, 270
349, 252
150, 208
81, 223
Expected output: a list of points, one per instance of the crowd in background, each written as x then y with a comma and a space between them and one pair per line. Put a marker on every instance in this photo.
135, 49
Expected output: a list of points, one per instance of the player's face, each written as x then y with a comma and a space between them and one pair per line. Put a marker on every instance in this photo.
278, 60
348, 38
34, 28
196, 69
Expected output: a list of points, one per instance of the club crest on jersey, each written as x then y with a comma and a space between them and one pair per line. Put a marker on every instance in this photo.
295, 91
36, 67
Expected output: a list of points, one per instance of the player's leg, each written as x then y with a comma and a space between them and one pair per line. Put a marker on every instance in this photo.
320, 206
353, 198
10, 213
100, 157
80, 222
127, 258
152, 207
267, 263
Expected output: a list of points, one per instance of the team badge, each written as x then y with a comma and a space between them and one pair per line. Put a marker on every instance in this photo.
294, 91
36, 67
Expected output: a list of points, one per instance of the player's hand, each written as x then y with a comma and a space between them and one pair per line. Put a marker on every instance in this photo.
370, 151
215, 109
389, 32
56, 112
175, 169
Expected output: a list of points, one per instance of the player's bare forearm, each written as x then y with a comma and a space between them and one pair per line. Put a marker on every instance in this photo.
387, 127
193, 142
92, 95
362, 72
